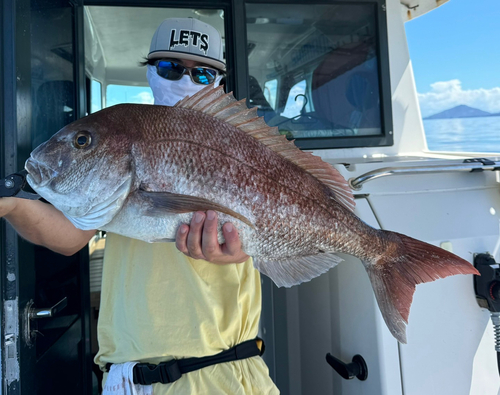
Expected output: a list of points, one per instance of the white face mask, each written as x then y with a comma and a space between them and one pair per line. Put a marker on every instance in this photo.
167, 93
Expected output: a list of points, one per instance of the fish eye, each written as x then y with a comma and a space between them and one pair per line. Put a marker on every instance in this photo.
82, 139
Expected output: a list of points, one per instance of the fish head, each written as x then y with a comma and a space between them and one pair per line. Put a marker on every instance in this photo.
85, 169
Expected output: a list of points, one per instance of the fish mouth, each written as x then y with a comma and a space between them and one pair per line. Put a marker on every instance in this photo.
39, 174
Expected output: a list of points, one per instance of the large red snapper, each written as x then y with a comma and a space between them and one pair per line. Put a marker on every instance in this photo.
141, 171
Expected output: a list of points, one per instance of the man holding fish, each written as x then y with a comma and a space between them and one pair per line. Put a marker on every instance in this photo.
165, 167
158, 304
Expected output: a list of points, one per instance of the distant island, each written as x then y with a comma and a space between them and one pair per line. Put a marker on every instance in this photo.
462, 111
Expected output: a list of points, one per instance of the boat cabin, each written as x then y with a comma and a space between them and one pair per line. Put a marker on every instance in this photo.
334, 76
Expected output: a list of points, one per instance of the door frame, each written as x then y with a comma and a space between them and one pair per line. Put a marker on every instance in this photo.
17, 255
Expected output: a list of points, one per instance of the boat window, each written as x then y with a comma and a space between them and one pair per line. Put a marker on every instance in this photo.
117, 94
314, 68
117, 40
95, 96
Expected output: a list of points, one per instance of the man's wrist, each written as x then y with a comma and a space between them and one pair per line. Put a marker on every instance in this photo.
8, 206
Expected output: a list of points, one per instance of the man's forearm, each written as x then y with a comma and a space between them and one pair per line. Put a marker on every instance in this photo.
43, 224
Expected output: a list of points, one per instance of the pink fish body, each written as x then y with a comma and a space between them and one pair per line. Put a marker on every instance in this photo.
141, 171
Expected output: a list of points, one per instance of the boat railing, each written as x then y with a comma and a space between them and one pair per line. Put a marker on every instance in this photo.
468, 165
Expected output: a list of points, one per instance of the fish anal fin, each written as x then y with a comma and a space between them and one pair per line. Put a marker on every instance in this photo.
165, 202
394, 277
296, 270
214, 102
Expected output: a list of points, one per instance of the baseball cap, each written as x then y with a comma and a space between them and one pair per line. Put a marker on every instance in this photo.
188, 38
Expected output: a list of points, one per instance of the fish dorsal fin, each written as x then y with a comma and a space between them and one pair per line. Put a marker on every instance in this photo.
226, 108
197, 101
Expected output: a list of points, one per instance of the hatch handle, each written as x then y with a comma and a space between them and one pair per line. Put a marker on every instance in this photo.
35, 314
15, 185
357, 368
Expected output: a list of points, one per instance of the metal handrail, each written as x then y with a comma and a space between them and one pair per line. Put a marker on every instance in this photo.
470, 165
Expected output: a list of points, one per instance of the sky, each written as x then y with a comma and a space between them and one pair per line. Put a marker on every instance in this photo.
455, 53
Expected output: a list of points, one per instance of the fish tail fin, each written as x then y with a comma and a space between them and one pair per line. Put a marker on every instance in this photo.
394, 276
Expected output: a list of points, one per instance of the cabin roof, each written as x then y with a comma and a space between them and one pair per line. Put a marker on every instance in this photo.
412, 9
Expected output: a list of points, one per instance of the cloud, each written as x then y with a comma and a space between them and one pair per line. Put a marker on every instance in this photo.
448, 94
143, 98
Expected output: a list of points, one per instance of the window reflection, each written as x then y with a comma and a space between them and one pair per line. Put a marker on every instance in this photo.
314, 69
52, 72
297, 102
270, 89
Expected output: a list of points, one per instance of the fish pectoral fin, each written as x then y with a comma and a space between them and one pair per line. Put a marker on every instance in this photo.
296, 270
173, 203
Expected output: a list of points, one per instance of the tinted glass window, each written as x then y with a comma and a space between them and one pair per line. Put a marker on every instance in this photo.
52, 72
314, 68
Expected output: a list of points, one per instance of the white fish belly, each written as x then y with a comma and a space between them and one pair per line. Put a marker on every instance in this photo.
131, 222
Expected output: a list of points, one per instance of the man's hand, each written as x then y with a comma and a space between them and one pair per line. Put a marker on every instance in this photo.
199, 240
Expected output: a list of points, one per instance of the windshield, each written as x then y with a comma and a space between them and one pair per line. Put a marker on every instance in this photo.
313, 69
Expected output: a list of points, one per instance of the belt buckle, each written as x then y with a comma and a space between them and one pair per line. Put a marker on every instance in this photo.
164, 372
170, 370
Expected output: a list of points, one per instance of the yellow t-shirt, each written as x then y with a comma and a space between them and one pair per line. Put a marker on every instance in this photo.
157, 304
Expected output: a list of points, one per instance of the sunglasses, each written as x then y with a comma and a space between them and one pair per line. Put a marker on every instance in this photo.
174, 71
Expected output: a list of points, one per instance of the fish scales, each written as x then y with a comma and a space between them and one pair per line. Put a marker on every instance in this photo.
253, 170
142, 171
214, 137
249, 175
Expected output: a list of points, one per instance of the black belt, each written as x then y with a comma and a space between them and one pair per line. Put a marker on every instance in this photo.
168, 372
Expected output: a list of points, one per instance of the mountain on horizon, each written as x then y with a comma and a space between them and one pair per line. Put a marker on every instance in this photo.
461, 111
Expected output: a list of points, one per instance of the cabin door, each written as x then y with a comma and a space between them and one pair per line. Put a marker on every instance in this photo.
45, 323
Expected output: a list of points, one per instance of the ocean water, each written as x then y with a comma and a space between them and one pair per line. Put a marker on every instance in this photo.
481, 134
